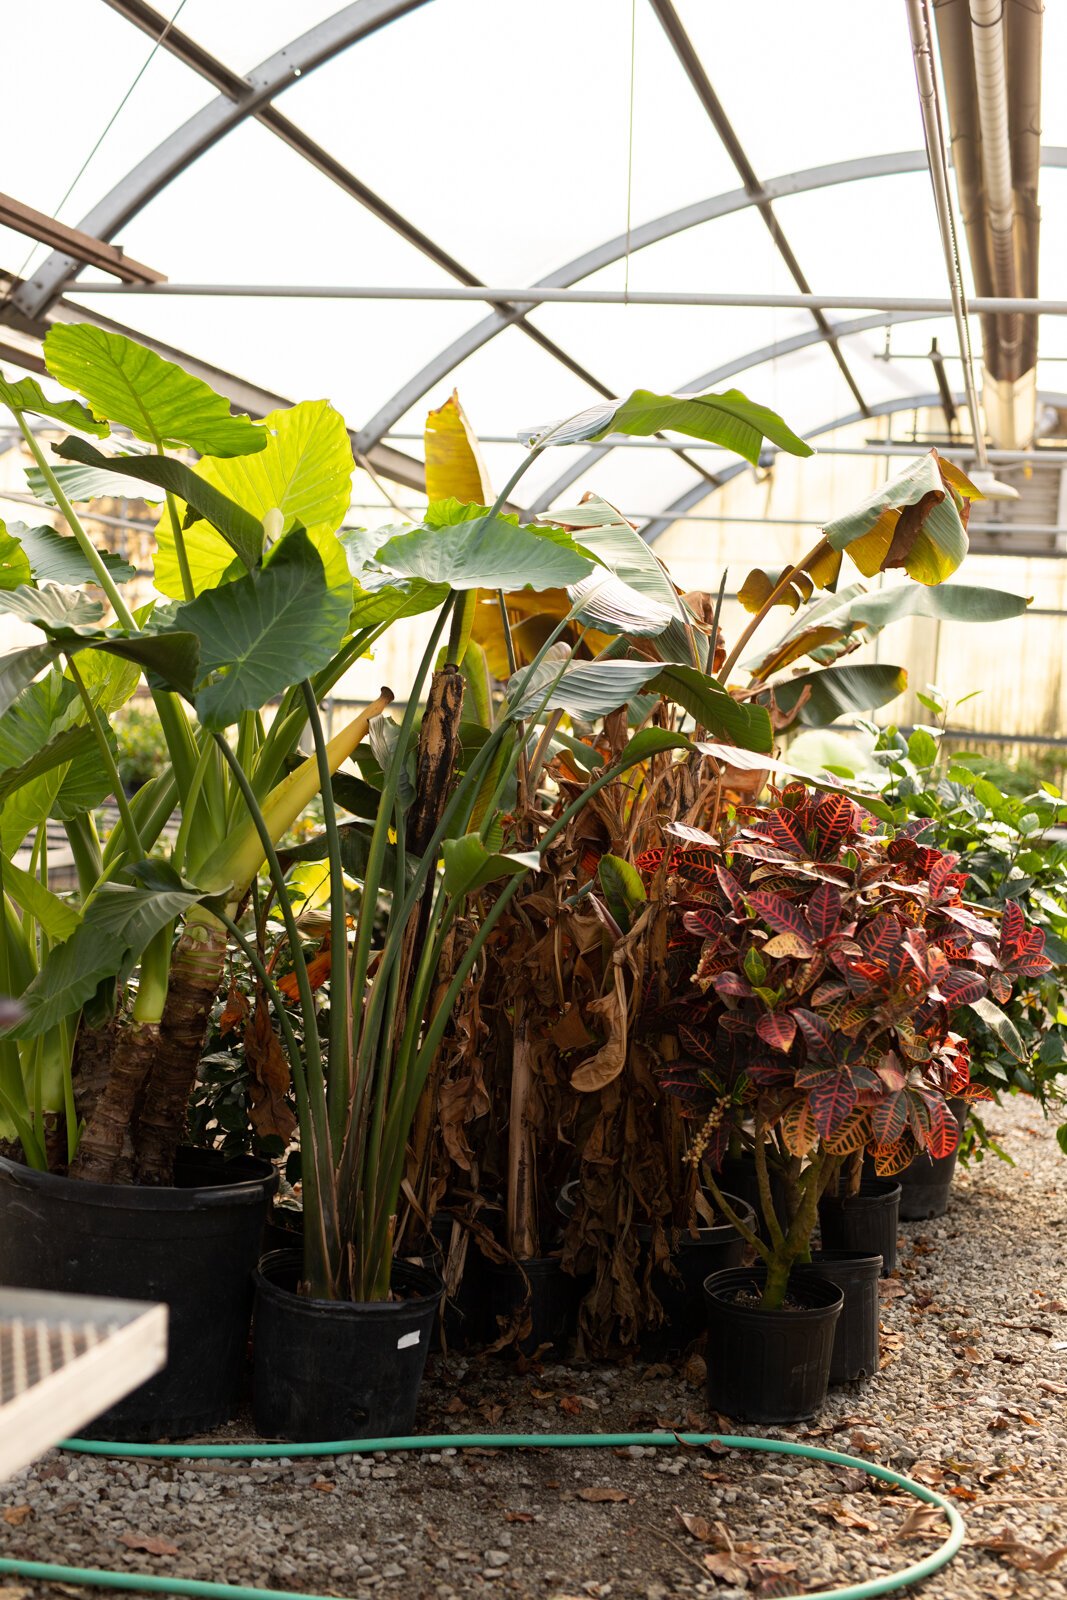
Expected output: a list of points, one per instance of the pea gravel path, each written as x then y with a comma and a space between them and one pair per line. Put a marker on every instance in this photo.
972, 1398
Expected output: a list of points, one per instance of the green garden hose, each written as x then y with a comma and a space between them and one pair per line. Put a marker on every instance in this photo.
154, 1583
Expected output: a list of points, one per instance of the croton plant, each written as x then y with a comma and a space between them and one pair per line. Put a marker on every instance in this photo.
816, 966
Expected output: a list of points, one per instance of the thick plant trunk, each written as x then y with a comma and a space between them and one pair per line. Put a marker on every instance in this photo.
196, 972
93, 1050
105, 1152
523, 1236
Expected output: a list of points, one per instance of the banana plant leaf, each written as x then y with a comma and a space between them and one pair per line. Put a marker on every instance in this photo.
820, 697
729, 419
918, 521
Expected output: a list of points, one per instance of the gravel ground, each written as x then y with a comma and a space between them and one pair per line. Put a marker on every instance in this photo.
971, 1398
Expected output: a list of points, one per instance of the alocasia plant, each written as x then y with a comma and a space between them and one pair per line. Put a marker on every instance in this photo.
816, 968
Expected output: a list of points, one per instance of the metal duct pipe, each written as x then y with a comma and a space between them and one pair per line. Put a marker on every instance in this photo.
991, 87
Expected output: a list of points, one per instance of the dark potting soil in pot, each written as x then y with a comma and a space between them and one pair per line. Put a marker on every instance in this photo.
192, 1246
339, 1369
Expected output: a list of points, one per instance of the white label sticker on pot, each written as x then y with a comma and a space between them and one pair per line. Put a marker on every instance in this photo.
408, 1340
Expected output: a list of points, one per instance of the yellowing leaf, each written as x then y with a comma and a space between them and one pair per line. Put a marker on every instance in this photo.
454, 466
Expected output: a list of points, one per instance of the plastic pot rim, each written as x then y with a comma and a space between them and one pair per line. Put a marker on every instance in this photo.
243, 1191
405, 1273
827, 1296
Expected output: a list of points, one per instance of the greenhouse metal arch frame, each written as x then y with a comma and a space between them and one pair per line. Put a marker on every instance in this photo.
253, 96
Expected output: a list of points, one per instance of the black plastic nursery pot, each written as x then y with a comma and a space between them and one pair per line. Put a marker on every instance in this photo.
855, 1353
549, 1294
193, 1246
339, 1369
737, 1175
865, 1222
926, 1184
769, 1366
681, 1292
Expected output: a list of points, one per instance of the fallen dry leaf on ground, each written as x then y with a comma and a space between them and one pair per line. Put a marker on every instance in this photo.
604, 1496
1021, 1556
845, 1517
150, 1543
518, 1516
697, 1527
15, 1516
920, 1522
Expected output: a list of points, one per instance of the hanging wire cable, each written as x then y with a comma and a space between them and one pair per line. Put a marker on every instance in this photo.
79, 175
630, 150
937, 160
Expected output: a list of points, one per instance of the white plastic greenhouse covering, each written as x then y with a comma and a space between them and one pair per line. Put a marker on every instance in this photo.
425, 143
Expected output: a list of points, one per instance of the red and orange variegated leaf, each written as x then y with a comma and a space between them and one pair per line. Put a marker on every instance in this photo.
703, 921
941, 875
832, 1099
852, 1135
729, 886
732, 983
780, 915
835, 822
918, 1116
976, 1092
850, 1019
769, 1074
810, 1073
784, 830
778, 1029
944, 1133
889, 1118
891, 1159
824, 911
775, 882
965, 918
899, 964
1000, 987
961, 986
700, 1042
879, 937
1012, 928
649, 860
828, 992
799, 1132
937, 964
787, 945
914, 1046
816, 1034
891, 1073
695, 866
682, 830
718, 1145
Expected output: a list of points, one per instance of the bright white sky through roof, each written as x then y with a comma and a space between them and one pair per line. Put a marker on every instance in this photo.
502, 130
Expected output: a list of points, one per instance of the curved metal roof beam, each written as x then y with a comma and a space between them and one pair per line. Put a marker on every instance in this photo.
729, 369
649, 233
886, 408
177, 152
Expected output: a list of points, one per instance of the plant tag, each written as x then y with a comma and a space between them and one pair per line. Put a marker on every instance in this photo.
406, 1340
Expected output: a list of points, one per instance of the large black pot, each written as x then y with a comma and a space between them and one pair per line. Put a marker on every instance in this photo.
856, 1336
550, 1295
926, 1183
193, 1246
681, 1291
339, 1369
769, 1366
737, 1175
865, 1222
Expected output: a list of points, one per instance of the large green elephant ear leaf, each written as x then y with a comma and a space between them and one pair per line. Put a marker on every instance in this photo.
54, 557
918, 522
27, 395
730, 419
159, 402
50, 762
304, 471
265, 631
480, 553
242, 532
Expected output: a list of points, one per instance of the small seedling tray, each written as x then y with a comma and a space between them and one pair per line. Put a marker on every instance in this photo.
63, 1360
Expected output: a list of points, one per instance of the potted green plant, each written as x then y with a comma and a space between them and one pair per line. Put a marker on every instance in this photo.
816, 969
1005, 835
